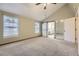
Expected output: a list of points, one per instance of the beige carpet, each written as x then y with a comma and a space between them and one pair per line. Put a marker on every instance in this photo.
39, 47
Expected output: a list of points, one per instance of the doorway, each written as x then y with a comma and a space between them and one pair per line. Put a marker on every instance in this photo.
44, 29
48, 29
51, 30
69, 30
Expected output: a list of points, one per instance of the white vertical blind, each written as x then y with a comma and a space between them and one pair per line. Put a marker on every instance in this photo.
37, 27
10, 26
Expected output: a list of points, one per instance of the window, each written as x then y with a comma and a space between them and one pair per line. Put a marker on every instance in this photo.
44, 29
37, 27
10, 26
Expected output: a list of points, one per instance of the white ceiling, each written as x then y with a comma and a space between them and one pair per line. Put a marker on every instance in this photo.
31, 10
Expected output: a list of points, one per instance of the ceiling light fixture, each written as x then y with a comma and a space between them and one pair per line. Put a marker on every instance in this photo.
45, 5
61, 20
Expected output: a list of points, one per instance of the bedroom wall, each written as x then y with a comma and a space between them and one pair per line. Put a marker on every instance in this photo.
26, 28
60, 27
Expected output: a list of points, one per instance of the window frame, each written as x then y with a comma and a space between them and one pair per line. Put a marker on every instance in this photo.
17, 27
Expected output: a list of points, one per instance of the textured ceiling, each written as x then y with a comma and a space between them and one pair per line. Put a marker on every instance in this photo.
31, 10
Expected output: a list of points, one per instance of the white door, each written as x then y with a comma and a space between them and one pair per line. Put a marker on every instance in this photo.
69, 30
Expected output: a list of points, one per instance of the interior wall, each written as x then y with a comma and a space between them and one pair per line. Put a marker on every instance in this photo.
1, 33
77, 24
59, 27
26, 28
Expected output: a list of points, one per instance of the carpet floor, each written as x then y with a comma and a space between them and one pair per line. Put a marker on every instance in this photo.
39, 46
